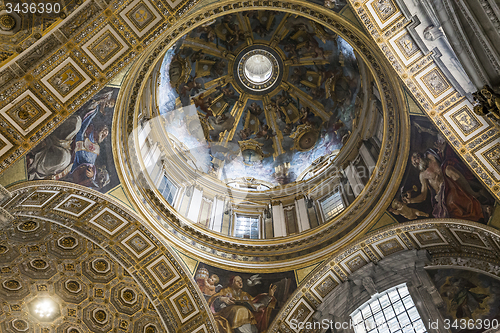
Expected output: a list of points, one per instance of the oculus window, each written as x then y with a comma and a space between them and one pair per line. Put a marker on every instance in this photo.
391, 311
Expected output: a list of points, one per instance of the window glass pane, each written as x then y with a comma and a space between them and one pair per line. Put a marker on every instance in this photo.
163, 183
370, 324
398, 307
356, 317
375, 307
366, 311
332, 205
413, 313
393, 324
397, 314
394, 295
403, 319
384, 301
360, 328
408, 302
408, 329
246, 226
167, 189
384, 329
419, 326
379, 318
389, 312
403, 291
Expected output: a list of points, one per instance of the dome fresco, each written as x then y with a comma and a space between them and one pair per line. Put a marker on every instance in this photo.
259, 95
250, 127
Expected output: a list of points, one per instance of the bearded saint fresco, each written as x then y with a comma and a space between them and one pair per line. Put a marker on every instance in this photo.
437, 183
243, 302
237, 311
79, 150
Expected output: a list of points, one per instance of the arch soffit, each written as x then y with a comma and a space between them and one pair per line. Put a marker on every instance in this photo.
154, 265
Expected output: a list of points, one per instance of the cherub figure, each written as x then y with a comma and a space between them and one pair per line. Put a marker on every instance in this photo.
255, 109
330, 3
400, 208
229, 94
245, 133
288, 129
203, 103
192, 86
298, 75
260, 30
291, 50
209, 286
207, 33
481, 102
305, 115
318, 93
313, 46
218, 68
198, 55
265, 132
493, 101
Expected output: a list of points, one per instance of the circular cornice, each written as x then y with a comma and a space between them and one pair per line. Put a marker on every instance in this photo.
288, 252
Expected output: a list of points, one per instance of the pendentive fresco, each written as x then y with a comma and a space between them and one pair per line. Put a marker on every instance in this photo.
437, 184
79, 151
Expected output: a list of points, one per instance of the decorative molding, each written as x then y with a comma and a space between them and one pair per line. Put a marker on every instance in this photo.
54, 72
437, 97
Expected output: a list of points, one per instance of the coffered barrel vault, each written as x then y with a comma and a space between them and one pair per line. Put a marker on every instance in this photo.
96, 258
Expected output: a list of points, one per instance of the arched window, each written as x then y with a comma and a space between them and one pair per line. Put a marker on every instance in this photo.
391, 311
